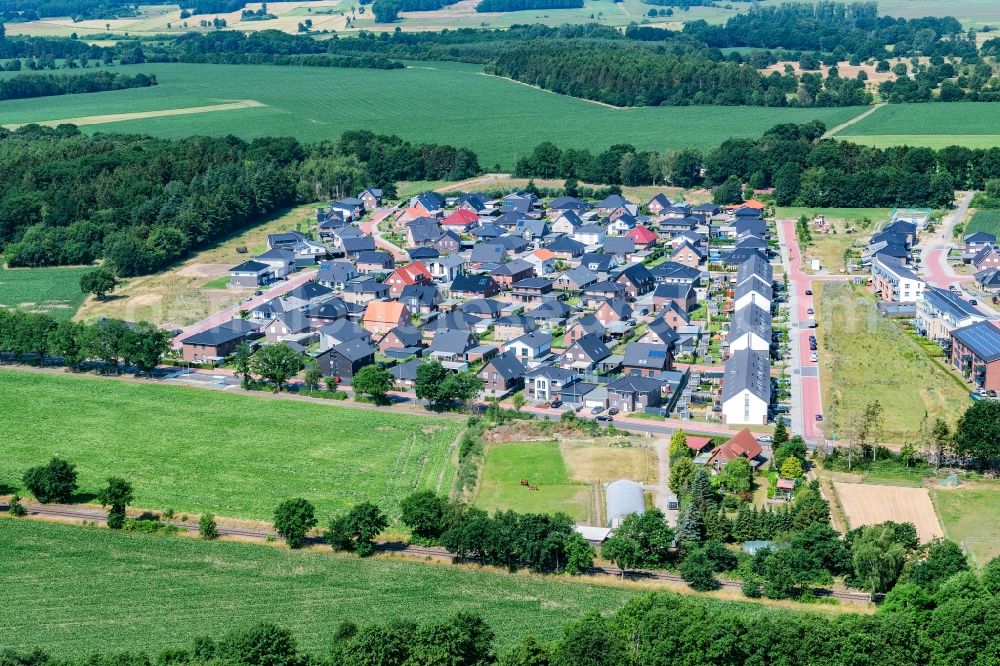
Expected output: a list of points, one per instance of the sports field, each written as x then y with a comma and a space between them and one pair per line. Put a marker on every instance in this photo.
451, 103
195, 450
55, 291
935, 125
72, 590
567, 476
865, 357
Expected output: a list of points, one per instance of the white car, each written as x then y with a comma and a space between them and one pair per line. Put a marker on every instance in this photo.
814, 357
764, 439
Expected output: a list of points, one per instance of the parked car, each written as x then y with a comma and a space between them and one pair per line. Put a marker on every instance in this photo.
992, 393
258, 292
812, 338
814, 357
952, 287
613, 411
819, 417
973, 301
597, 410
765, 439
556, 404
810, 311
605, 418
809, 292
982, 392
812, 345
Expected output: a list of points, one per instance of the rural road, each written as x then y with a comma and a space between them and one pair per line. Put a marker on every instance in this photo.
370, 227
856, 119
95, 514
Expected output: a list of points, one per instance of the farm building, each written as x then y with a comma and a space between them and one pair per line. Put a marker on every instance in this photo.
623, 498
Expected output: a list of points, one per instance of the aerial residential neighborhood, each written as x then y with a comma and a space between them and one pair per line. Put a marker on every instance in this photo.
499, 333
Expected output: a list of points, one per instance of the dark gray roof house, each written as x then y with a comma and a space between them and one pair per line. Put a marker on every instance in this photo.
336, 273
748, 370
597, 261
620, 246
488, 253
568, 203
645, 356
452, 342
755, 266
355, 246
483, 307
488, 231
566, 245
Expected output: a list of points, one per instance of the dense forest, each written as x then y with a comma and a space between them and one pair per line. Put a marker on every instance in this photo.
674, 76
31, 10
140, 202
43, 85
518, 5
387, 11
790, 158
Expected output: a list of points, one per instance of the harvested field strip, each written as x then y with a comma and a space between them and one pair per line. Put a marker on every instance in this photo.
867, 504
140, 115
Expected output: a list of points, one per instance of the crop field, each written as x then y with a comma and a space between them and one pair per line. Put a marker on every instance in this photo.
987, 220
235, 455
934, 125
866, 357
567, 476
55, 291
867, 504
971, 517
62, 580
433, 102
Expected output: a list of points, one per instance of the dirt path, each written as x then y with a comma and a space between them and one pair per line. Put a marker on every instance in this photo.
855, 119
119, 117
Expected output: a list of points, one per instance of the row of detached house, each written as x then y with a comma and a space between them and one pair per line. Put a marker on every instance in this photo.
553, 299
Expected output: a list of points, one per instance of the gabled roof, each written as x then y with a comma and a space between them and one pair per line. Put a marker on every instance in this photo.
751, 319
229, 331
663, 330
637, 274
512, 243
474, 199
336, 271
308, 291
488, 230
989, 277
431, 201
452, 342
333, 308
568, 203
506, 365
533, 339
619, 306
483, 306
672, 270
413, 273
755, 265
979, 237
278, 254
295, 320
592, 346
532, 283
462, 217
424, 229
422, 294
603, 262
456, 320
604, 286
475, 284
408, 336
619, 245
488, 253
356, 245
590, 324
354, 349
369, 286
566, 244
553, 309
343, 330
949, 302
580, 276
406, 372
743, 444
748, 370
646, 355
672, 290
614, 201
420, 253
660, 199
754, 285
379, 257
512, 268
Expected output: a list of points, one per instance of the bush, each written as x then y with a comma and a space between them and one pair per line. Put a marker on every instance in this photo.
207, 528
55, 482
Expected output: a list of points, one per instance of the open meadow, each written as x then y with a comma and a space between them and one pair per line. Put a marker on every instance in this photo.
567, 476
847, 233
865, 357
436, 102
934, 125
166, 591
970, 514
234, 455
55, 291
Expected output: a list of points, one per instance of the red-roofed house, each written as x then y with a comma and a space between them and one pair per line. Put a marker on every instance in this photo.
642, 236
743, 444
697, 444
404, 276
461, 220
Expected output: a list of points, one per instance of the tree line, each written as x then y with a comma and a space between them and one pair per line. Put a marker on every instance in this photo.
112, 343
141, 202
44, 85
519, 5
679, 74
802, 168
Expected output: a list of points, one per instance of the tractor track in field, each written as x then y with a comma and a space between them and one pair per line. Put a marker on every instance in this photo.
99, 515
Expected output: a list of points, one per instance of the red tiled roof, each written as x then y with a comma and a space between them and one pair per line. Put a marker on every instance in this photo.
642, 235
461, 218
743, 444
697, 443
413, 273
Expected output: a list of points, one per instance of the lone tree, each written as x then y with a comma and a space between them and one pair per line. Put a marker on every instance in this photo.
373, 381
293, 519
356, 530
55, 482
208, 529
117, 495
424, 513
276, 363
100, 282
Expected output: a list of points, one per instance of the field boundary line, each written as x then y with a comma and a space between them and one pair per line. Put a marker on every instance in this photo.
142, 115
553, 92
858, 118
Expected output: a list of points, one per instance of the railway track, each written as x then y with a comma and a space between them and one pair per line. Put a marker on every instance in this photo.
99, 516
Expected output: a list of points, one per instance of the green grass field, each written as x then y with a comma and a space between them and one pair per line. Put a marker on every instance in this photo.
971, 516
435, 102
866, 357
987, 220
934, 125
52, 290
72, 590
234, 455
542, 464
